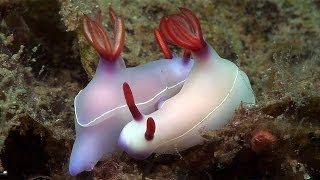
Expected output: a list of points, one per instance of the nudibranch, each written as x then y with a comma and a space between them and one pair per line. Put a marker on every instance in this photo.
100, 108
212, 92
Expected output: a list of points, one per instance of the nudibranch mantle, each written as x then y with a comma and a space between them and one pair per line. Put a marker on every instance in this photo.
152, 82
208, 99
100, 108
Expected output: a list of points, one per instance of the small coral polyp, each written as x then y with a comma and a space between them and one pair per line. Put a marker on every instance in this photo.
213, 90
262, 141
100, 108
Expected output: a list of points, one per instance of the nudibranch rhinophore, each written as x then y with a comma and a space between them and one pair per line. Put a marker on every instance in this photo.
208, 99
100, 108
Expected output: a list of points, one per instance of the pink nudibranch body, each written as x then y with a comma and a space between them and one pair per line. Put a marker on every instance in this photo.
100, 108
212, 92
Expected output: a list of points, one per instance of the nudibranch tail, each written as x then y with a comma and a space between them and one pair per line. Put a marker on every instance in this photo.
150, 130
136, 114
99, 38
183, 30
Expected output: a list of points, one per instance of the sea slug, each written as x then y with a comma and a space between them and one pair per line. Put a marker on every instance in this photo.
212, 92
100, 108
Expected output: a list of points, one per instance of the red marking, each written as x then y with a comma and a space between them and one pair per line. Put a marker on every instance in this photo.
136, 114
99, 38
183, 30
151, 129
163, 45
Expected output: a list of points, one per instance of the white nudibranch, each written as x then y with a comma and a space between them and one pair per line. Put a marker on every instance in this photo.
212, 92
100, 108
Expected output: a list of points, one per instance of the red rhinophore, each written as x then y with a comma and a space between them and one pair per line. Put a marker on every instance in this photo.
151, 129
99, 39
163, 45
183, 30
136, 114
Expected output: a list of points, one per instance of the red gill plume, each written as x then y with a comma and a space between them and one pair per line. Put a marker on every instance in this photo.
163, 45
183, 29
99, 38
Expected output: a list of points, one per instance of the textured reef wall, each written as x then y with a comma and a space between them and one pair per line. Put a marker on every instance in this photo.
45, 61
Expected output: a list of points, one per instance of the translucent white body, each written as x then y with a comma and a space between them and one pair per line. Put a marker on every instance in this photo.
208, 99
